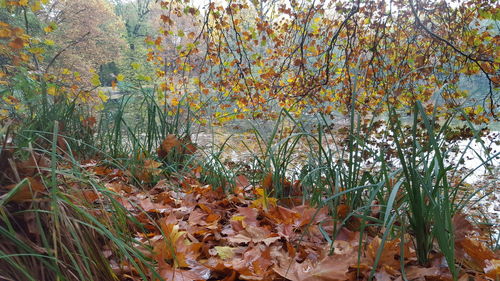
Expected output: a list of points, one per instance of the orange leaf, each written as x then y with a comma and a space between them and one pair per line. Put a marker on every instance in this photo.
477, 251
331, 268
267, 182
27, 190
170, 143
389, 252
17, 43
167, 272
492, 269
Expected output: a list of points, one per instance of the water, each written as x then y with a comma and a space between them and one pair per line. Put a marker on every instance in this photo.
467, 156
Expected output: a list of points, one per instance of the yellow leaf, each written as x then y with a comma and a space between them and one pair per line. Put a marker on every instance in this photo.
237, 218
23, 3
120, 77
102, 96
95, 80
52, 91
135, 65
5, 33
224, 252
263, 201
36, 6
48, 28
49, 42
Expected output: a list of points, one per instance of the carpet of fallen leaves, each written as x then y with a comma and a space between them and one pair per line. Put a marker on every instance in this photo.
200, 233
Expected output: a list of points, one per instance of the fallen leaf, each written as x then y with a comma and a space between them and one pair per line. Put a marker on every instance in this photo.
414, 272
254, 234
171, 144
26, 191
388, 255
167, 272
492, 269
382, 275
224, 252
461, 227
478, 251
331, 268
263, 200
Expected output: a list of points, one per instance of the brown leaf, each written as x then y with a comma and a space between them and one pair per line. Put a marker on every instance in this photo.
477, 251
382, 275
31, 166
17, 43
171, 144
415, 272
254, 234
242, 181
167, 272
282, 215
118, 187
389, 252
147, 171
267, 182
342, 211
461, 226
331, 268
27, 191
492, 269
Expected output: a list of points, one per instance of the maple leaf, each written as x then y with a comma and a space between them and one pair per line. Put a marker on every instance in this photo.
263, 201
254, 234
171, 144
167, 272
492, 269
388, 255
331, 268
478, 251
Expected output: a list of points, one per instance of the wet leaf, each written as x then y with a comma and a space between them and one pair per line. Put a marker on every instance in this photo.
478, 251
224, 252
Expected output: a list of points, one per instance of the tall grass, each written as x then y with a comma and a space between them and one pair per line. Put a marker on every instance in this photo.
405, 173
60, 236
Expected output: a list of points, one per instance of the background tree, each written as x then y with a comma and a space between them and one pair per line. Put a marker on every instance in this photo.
86, 35
326, 55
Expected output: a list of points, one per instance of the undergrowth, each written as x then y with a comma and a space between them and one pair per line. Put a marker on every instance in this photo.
378, 177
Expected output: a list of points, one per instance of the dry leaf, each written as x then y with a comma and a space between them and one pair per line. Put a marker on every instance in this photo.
389, 252
492, 269
27, 191
477, 251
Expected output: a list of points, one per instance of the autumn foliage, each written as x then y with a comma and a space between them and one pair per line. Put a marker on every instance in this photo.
112, 183
320, 56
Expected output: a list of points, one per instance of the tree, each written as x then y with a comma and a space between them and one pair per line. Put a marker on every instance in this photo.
86, 33
325, 55
54, 50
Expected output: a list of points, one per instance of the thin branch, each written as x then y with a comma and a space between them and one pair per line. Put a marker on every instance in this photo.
71, 44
